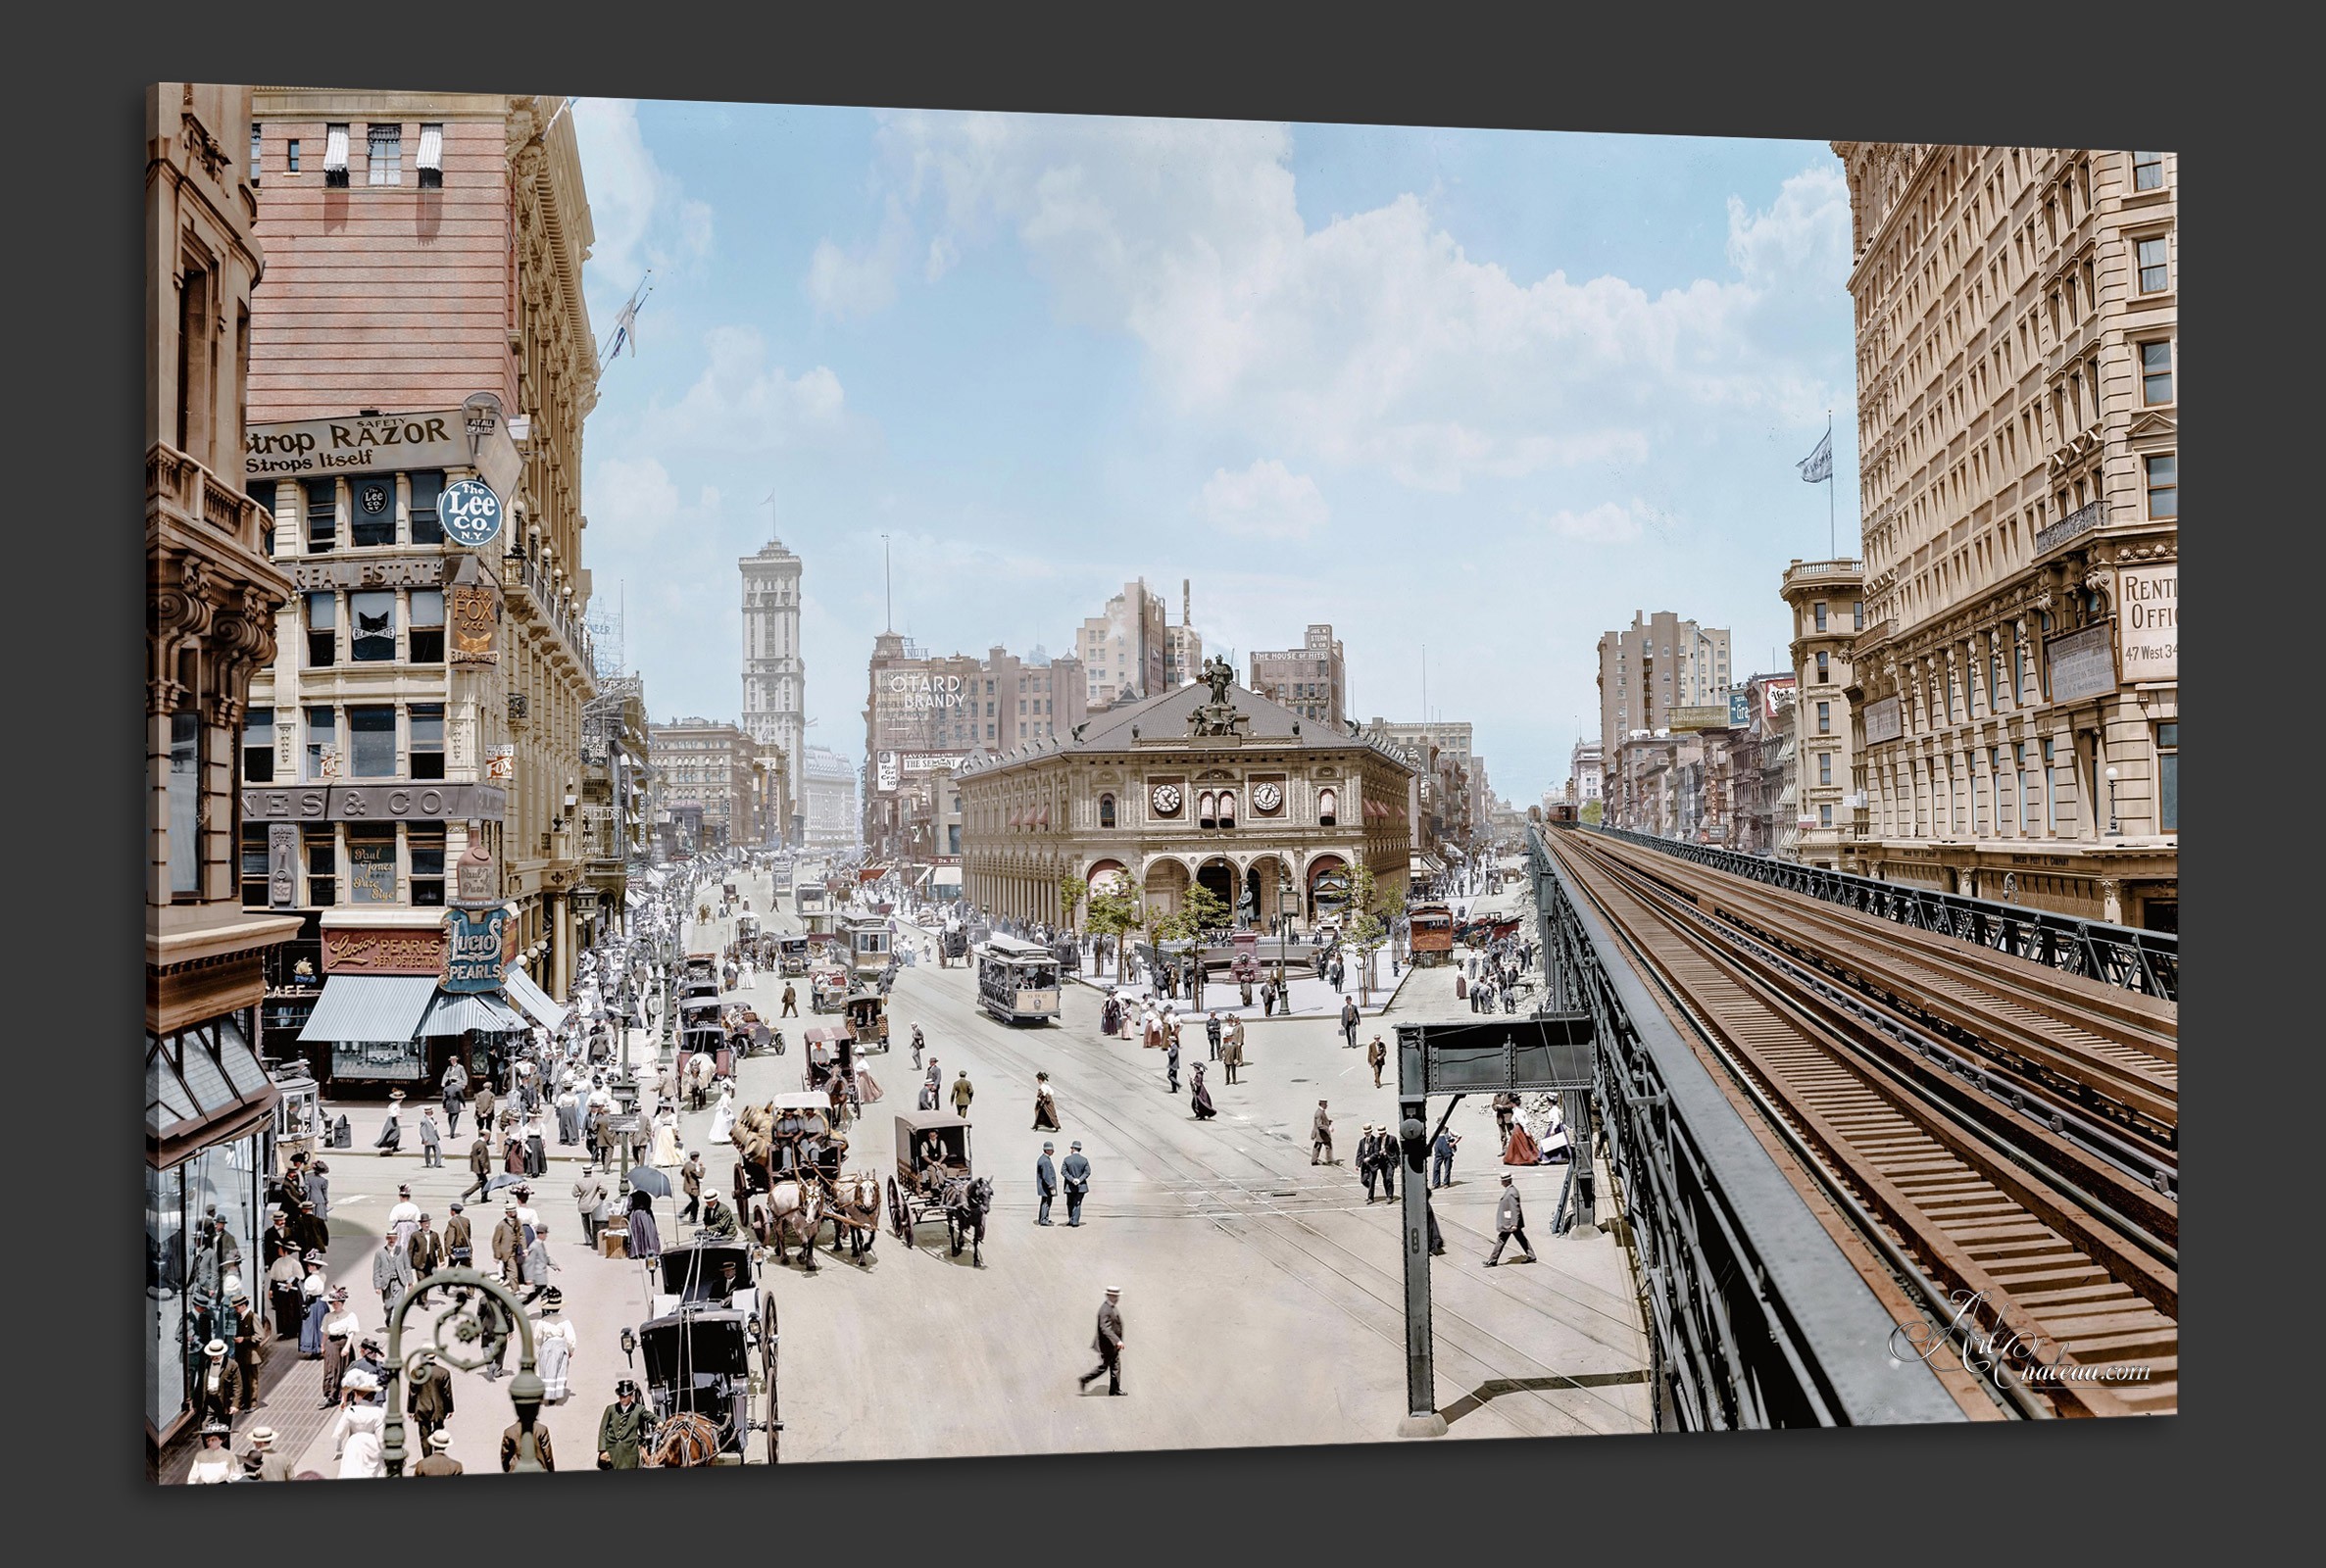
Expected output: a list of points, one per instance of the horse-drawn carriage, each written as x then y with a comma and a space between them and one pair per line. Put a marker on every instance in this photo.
827, 990
936, 1179
867, 1019
710, 1314
788, 1179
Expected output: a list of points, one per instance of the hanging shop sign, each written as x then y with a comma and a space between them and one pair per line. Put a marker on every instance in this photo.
475, 611
385, 442
500, 765
475, 879
888, 771
481, 942
282, 865
470, 512
2149, 622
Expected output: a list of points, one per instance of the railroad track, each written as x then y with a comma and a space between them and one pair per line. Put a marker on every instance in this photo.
2033, 1211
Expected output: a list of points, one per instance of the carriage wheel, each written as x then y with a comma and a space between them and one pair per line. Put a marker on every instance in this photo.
769, 1358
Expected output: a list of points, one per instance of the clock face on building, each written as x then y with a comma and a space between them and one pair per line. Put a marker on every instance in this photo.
1266, 797
1167, 800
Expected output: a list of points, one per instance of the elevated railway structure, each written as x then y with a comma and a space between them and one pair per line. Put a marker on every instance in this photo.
1990, 1139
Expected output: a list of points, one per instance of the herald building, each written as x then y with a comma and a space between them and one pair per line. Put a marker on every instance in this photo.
1165, 793
419, 340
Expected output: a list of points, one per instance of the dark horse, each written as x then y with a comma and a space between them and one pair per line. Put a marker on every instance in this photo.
965, 1205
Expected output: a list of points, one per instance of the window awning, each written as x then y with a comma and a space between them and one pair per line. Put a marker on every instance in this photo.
370, 1006
1042, 818
535, 1000
203, 1086
949, 876
457, 1012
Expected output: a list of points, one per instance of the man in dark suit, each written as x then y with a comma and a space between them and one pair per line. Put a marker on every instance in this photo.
1045, 1182
460, 1243
1076, 1172
430, 1396
1368, 1148
509, 1442
481, 1163
1108, 1343
425, 1248
1509, 1220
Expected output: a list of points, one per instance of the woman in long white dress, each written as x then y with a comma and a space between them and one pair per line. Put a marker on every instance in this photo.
723, 1116
358, 1440
554, 1342
666, 1154
216, 1462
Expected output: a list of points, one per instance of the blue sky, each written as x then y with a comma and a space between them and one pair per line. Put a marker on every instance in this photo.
1491, 391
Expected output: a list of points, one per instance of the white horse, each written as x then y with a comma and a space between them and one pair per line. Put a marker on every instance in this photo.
791, 1211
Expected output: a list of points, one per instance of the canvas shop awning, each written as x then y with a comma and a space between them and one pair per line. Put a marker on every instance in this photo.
457, 1012
535, 1000
370, 1006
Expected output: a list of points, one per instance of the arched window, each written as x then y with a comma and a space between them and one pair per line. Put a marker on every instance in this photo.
1208, 811
1105, 810
1328, 807
1227, 809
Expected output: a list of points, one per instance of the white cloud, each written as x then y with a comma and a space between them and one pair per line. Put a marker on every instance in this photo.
1266, 501
639, 212
741, 404
633, 498
855, 287
1608, 523
1373, 341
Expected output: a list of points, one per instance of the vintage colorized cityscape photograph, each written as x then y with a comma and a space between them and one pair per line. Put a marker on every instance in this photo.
747, 704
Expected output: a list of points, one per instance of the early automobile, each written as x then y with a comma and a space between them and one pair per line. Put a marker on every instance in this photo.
791, 953
827, 990
867, 1019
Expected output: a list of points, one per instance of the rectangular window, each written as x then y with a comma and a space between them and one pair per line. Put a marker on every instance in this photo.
428, 740
258, 746
1821, 612
186, 787
2168, 777
372, 510
428, 491
1825, 719
1821, 672
323, 513
431, 157
322, 629
425, 840
323, 866
371, 864
2156, 373
323, 734
1825, 815
335, 155
385, 154
1994, 682
1857, 617
2164, 485
1825, 767
2147, 170
253, 866
2059, 811
254, 152
291, 154
427, 626
370, 740
2153, 269
371, 626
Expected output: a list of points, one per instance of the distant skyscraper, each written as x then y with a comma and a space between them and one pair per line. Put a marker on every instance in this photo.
775, 678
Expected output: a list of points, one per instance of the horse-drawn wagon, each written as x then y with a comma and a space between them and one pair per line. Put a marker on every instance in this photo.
936, 1179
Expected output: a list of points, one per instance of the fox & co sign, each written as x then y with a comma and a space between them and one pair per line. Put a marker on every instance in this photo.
483, 944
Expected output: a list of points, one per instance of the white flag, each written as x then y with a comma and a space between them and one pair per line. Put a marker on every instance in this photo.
1819, 464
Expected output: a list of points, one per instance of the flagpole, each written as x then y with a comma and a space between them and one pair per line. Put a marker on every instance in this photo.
1832, 539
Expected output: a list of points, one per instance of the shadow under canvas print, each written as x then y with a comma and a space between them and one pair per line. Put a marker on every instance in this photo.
749, 706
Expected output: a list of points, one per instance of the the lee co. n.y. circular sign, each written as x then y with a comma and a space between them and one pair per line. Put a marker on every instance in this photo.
470, 512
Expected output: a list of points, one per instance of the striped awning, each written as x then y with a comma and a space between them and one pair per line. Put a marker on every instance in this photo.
1042, 818
370, 1006
535, 1000
1017, 817
457, 1012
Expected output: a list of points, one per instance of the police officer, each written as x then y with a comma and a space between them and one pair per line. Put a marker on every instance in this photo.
625, 1428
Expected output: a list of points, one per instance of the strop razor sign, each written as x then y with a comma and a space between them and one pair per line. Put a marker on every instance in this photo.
470, 512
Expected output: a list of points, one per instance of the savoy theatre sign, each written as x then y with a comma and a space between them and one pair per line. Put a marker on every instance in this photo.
313, 449
374, 803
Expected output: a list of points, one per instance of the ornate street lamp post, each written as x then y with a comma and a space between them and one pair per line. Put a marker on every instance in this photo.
470, 1333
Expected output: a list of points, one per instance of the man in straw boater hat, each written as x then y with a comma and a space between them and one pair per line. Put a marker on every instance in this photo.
260, 1462
439, 1461
1108, 1343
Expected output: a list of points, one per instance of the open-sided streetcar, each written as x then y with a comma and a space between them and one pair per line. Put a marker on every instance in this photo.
866, 942
1018, 980
1430, 928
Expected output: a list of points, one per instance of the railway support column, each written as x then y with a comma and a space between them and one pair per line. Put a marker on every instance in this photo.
1422, 1419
